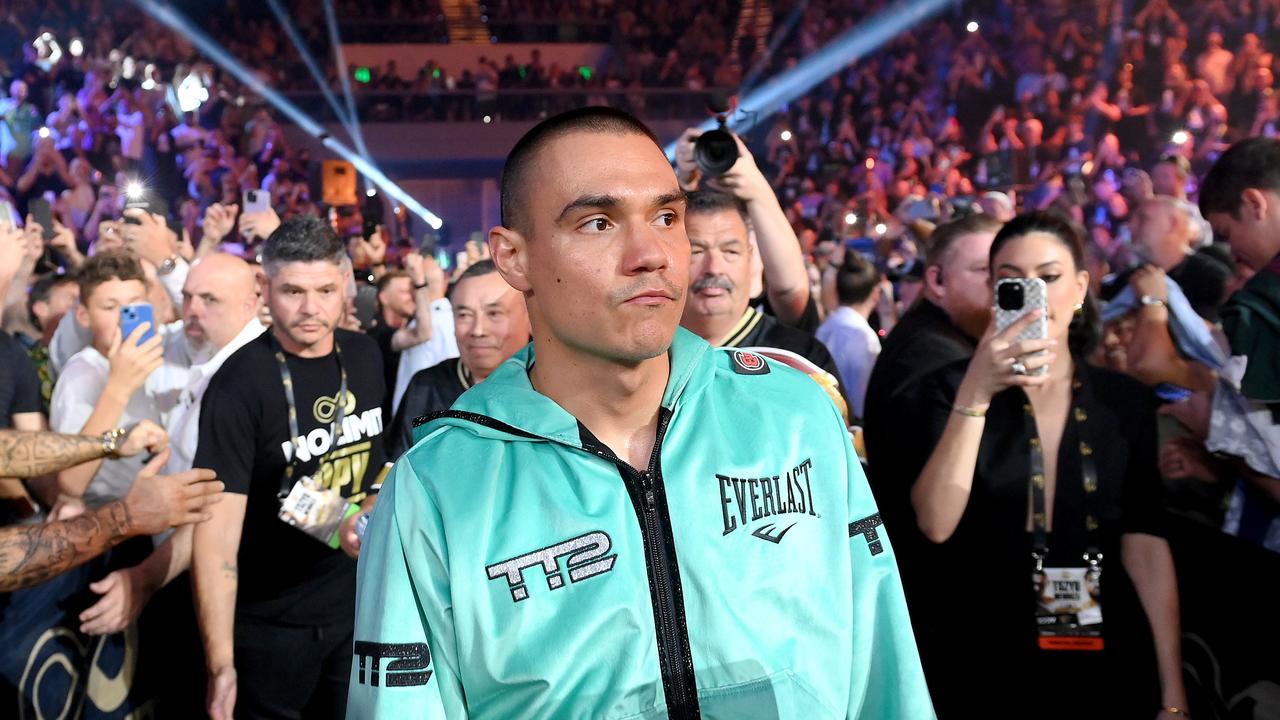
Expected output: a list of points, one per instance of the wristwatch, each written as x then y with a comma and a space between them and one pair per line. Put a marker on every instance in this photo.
111, 442
169, 265
1149, 300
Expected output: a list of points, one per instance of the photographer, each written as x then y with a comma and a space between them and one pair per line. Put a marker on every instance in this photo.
786, 279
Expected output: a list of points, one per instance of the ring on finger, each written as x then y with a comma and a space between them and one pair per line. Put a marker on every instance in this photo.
1018, 368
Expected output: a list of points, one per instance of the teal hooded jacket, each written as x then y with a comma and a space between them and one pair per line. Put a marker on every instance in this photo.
515, 568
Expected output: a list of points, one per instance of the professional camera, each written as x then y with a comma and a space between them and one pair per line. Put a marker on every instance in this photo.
717, 150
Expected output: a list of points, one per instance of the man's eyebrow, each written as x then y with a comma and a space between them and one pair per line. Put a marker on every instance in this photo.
607, 202
671, 198
589, 201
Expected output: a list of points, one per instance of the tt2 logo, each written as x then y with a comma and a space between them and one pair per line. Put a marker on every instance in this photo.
408, 666
587, 558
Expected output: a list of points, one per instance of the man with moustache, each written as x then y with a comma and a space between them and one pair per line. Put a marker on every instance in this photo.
292, 423
622, 521
718, 309
490, 323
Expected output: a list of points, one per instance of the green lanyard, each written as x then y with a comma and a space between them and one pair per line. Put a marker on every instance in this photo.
286, 379
1088, 478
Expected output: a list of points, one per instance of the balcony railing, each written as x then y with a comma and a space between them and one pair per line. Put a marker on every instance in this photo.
506, 104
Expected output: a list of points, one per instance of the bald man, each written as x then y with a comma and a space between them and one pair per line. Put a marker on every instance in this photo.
219, 316
1168, 234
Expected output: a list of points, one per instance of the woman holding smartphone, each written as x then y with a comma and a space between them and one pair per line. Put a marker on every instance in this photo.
1051, 592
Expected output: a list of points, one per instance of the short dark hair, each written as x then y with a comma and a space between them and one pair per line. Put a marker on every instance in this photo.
105, 266
40, 291
943, 239
1086, 328
855, 279
303, 238
596, 119
477, 269
702, 202
1250, 163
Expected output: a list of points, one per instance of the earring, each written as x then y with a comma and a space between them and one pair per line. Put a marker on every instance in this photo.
1079, 309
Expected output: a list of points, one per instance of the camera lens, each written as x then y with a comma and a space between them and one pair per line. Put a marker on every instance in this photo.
715, 152
1009, 296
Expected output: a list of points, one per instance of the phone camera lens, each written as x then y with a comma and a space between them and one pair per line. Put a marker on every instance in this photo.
1009, 296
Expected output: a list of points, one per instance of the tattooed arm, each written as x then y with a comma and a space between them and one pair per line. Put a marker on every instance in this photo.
30, 454
31, 554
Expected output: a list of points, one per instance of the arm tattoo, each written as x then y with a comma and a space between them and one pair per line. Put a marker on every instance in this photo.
31, 454
230, 570
32, 554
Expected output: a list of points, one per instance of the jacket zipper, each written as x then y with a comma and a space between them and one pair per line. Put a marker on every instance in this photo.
649, 498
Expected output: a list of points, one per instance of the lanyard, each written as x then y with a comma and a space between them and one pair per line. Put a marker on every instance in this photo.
1088, 478
286, 379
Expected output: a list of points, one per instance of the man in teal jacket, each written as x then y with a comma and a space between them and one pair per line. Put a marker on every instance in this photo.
623, 522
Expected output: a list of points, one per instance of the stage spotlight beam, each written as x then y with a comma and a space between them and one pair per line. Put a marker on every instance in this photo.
852, 44
340, 59
300, 45
175, 21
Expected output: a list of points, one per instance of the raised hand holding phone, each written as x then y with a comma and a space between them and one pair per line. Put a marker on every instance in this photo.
133, 357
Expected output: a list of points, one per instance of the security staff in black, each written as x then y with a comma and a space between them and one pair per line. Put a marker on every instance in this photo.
292, 423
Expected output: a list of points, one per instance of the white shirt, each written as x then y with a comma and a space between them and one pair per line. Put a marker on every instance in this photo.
74, 398
442, 346
855, 347
184, 422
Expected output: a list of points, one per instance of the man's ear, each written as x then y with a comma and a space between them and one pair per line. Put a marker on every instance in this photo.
1255, 203
510, 253
933, 281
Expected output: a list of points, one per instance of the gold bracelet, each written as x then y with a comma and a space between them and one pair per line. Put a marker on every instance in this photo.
1174, 710
969, 412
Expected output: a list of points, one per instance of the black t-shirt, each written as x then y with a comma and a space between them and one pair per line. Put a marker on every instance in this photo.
286, 575
977, 586
923, 341
19, 383
430, 390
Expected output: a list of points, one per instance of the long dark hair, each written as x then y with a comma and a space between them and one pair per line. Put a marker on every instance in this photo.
1086, 326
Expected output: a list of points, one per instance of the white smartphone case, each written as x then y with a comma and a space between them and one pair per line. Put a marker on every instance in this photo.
1034, 296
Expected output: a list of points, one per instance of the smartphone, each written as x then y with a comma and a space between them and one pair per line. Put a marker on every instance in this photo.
133, 315
256, 201
146, 201
1015, 297
9, 215
42, 212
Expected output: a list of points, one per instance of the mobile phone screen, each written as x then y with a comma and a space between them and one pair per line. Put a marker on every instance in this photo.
42, 213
